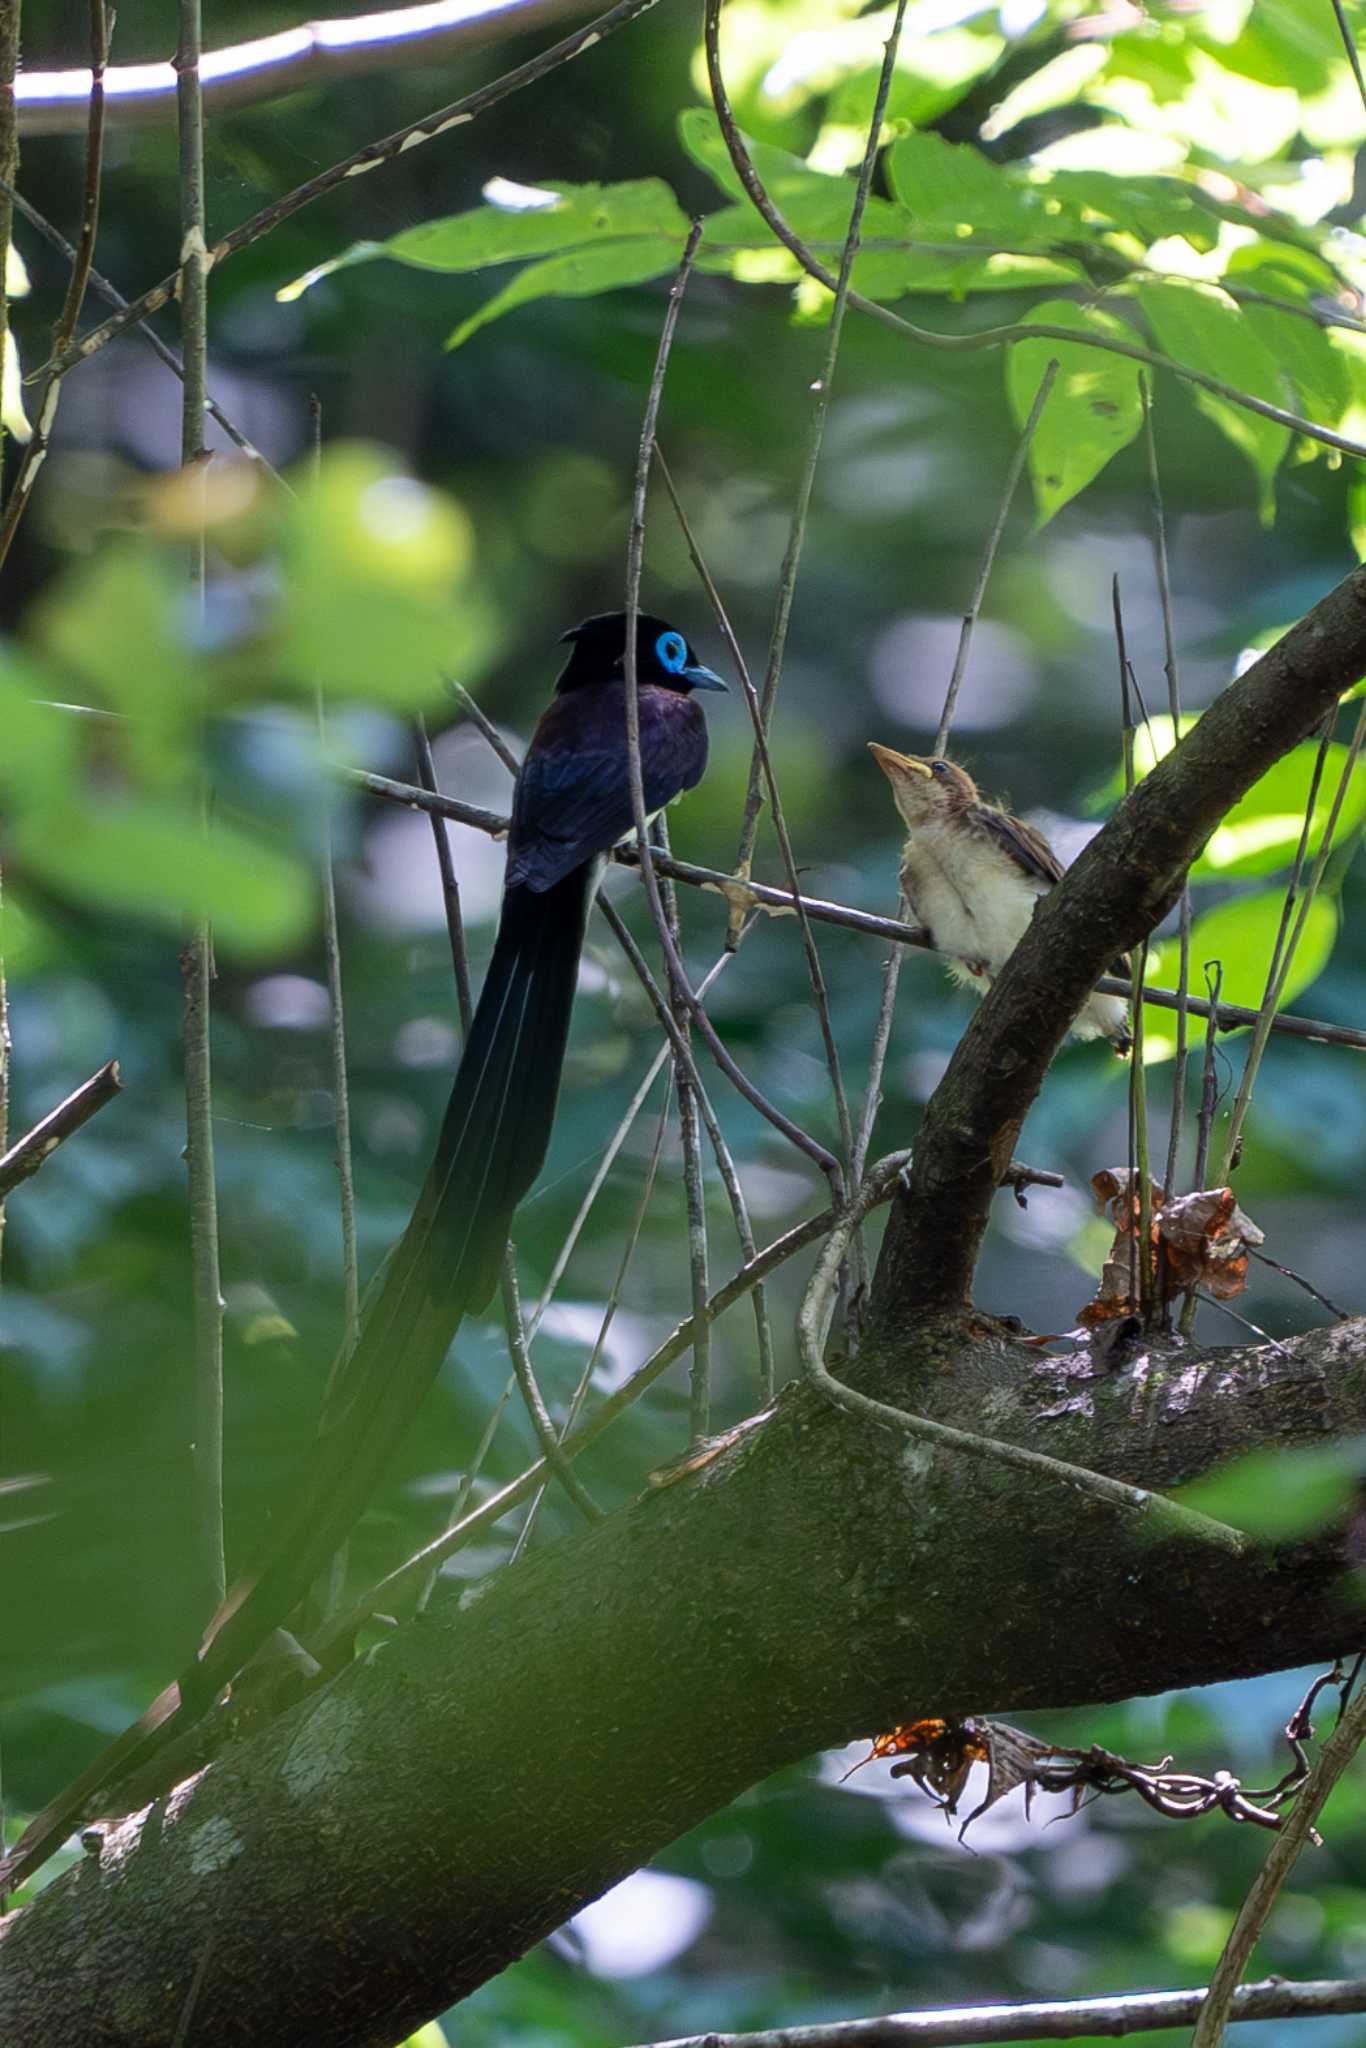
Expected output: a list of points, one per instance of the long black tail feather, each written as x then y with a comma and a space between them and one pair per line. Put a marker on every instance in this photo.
493, 1142
492, 1145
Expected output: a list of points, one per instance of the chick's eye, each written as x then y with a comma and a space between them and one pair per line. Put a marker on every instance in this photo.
940, 768
671, 651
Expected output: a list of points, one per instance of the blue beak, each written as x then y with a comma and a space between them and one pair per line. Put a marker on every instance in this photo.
700, 678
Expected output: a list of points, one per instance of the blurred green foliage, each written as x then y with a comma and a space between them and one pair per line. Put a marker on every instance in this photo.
1186, 176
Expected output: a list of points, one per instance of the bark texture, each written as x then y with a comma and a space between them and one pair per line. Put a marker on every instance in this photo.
399, 1838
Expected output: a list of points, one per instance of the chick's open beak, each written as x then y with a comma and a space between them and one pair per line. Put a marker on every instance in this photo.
897, 766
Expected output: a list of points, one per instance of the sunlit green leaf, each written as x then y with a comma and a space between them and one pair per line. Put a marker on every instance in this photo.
1202, 327
566, 217
1093, 410
1280, 1496
580, 275
951, 189
1242, 934
1263, 829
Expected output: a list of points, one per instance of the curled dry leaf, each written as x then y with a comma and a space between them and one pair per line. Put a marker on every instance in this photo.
1195, 1240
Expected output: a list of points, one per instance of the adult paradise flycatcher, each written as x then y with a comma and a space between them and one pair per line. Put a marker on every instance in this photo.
972, 874
571, 805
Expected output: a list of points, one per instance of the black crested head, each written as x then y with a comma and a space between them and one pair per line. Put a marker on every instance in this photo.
663, 655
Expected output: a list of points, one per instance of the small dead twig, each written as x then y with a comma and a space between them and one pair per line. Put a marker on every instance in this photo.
23, 1159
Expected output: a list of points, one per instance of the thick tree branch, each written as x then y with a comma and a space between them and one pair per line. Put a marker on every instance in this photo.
53, 102
506, 1762
1122, 884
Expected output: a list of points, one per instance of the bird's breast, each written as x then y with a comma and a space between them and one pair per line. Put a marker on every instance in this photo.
973, 899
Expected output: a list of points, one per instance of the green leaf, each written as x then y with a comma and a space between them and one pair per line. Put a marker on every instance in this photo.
116, 624
1146, 206
582, 275
381, 593
1262, 831
574, 217
933, 72
1279, 1496
1241, 934
1093, 410
1202, 327
951, 189
153, 859
38, 754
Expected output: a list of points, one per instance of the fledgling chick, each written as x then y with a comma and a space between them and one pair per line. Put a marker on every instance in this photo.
972, 875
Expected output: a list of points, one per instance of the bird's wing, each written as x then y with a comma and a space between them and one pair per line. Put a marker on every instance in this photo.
573, 797
1032, 852
1028, 849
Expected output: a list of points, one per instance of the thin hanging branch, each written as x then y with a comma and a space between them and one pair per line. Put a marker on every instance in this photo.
613, 1302
197, 959
82, 261
1337, 1753
635, 558
694, 1186
1286, 947
1173, 676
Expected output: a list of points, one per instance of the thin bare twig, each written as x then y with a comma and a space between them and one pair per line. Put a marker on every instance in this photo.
1284, 954
197, 959
45, 411
761, 708
1209, 1102
1173, 676
1289, 1273
532, 1398
23, 1160
1336, 1754
450, 882
763, 896
993, 542
1071, 2019
1349, 45
611, 1306
113, 297
813, 1322
694, 1187
336, 1012
635, 558
1140, 1240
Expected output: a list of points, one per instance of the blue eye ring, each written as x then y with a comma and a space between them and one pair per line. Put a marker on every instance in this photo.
671, 652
